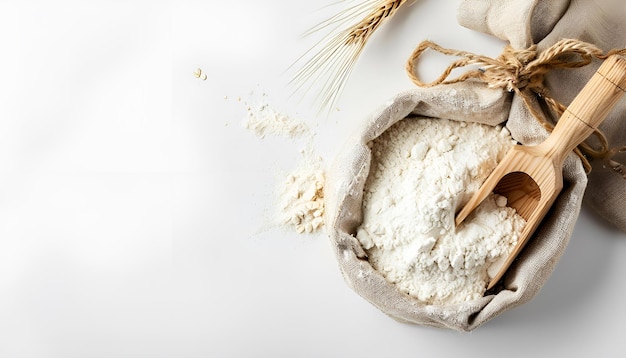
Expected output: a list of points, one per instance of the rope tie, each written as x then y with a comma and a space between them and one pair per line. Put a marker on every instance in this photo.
522, 71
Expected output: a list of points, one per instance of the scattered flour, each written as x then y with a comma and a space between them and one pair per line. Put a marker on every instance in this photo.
423, 171
262, 119
300, 195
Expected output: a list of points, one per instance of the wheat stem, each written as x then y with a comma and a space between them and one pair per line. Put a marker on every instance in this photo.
338, 52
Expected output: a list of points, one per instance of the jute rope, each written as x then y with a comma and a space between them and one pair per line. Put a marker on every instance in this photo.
522, 72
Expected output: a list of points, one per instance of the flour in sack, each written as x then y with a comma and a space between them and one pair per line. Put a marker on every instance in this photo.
423, 170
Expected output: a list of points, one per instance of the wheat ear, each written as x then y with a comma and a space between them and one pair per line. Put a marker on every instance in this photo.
332, 65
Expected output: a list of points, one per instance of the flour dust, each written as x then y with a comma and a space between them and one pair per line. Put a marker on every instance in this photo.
263, 119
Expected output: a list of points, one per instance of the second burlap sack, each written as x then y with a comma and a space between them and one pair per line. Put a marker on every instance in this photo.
545, 22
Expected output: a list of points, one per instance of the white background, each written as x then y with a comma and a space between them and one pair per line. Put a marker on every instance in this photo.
133, 203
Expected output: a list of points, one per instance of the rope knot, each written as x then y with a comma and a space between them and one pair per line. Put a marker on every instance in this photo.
510, 70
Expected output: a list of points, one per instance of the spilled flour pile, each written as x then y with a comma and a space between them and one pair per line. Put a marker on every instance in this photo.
301, 197
422, 171
301, 194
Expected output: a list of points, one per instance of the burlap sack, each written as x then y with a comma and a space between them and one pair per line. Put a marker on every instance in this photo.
472, 102
522, 23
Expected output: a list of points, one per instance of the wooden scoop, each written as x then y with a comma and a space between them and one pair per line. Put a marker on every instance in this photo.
531, 177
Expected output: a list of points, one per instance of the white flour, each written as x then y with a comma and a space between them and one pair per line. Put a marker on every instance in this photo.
422, 172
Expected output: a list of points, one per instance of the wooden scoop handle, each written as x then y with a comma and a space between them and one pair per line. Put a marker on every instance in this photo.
588, 109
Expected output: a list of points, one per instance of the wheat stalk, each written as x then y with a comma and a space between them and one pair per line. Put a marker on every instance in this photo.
332, 65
